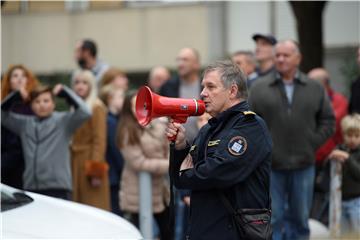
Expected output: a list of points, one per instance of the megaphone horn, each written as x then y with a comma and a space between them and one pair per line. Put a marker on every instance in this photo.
150, 105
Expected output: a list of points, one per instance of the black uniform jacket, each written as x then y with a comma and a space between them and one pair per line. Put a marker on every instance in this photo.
232, 154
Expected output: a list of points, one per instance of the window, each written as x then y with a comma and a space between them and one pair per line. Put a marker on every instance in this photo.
77, 6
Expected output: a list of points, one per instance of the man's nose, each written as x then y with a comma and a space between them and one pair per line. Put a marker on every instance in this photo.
203, 94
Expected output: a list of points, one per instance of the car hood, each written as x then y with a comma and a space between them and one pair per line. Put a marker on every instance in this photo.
48, 217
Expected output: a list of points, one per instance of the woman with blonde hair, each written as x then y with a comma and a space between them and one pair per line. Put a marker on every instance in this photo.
17, 77
143, 149
89, 169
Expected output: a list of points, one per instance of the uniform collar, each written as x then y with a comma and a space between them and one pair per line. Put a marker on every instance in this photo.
238, 108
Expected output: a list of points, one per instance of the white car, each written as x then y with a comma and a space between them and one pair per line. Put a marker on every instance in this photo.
30, 215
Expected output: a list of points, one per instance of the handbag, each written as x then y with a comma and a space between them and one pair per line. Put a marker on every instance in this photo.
251, 224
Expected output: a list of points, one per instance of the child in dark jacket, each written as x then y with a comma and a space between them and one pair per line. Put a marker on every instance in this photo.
113, 98
45, 138
349, 155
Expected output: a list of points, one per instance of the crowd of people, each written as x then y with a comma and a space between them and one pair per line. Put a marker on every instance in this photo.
268, 133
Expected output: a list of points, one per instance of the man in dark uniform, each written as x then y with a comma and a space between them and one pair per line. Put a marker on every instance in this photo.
230, 155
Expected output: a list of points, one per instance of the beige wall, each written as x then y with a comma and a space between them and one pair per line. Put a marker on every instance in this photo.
131, 38
341, 26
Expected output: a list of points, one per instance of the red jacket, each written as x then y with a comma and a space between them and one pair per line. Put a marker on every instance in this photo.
340, 107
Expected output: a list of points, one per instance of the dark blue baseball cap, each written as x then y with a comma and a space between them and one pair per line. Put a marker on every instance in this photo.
269, 38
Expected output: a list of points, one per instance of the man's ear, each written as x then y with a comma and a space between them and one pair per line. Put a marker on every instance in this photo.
233, 91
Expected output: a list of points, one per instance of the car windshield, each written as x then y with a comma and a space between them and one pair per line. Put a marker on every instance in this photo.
10, 200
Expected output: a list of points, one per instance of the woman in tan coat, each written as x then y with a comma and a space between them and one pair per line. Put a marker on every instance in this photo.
143, 149
89, 169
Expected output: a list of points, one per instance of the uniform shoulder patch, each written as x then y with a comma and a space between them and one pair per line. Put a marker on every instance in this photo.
237, 145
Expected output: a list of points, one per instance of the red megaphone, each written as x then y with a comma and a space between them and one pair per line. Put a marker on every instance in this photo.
150, 105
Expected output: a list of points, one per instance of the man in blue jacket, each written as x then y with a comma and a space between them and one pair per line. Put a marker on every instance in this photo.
230, 155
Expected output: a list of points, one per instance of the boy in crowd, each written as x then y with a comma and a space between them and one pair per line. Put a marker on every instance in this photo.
349, 155
113, 98
46, 137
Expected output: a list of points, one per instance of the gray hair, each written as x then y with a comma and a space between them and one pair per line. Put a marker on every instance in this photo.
250, 57
230, 74
294, 43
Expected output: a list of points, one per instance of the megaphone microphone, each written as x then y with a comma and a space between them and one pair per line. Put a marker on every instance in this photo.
150, 105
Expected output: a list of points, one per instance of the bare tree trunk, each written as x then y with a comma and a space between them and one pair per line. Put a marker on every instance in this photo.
309, 19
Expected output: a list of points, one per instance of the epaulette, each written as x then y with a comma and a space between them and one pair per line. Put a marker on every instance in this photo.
249, 114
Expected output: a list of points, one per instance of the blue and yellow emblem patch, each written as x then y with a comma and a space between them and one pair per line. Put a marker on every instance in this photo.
237, 145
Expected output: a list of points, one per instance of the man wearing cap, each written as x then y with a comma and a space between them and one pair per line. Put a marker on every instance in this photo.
264, 52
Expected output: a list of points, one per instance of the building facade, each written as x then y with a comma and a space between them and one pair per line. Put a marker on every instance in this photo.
138, 35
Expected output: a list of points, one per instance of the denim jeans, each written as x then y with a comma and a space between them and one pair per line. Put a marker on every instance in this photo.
291, 193
350, 217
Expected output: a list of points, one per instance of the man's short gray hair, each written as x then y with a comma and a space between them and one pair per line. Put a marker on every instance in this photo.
250, 56
230, 74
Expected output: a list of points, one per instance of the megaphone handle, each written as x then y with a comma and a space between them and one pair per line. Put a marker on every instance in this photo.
177, 119
173, 138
